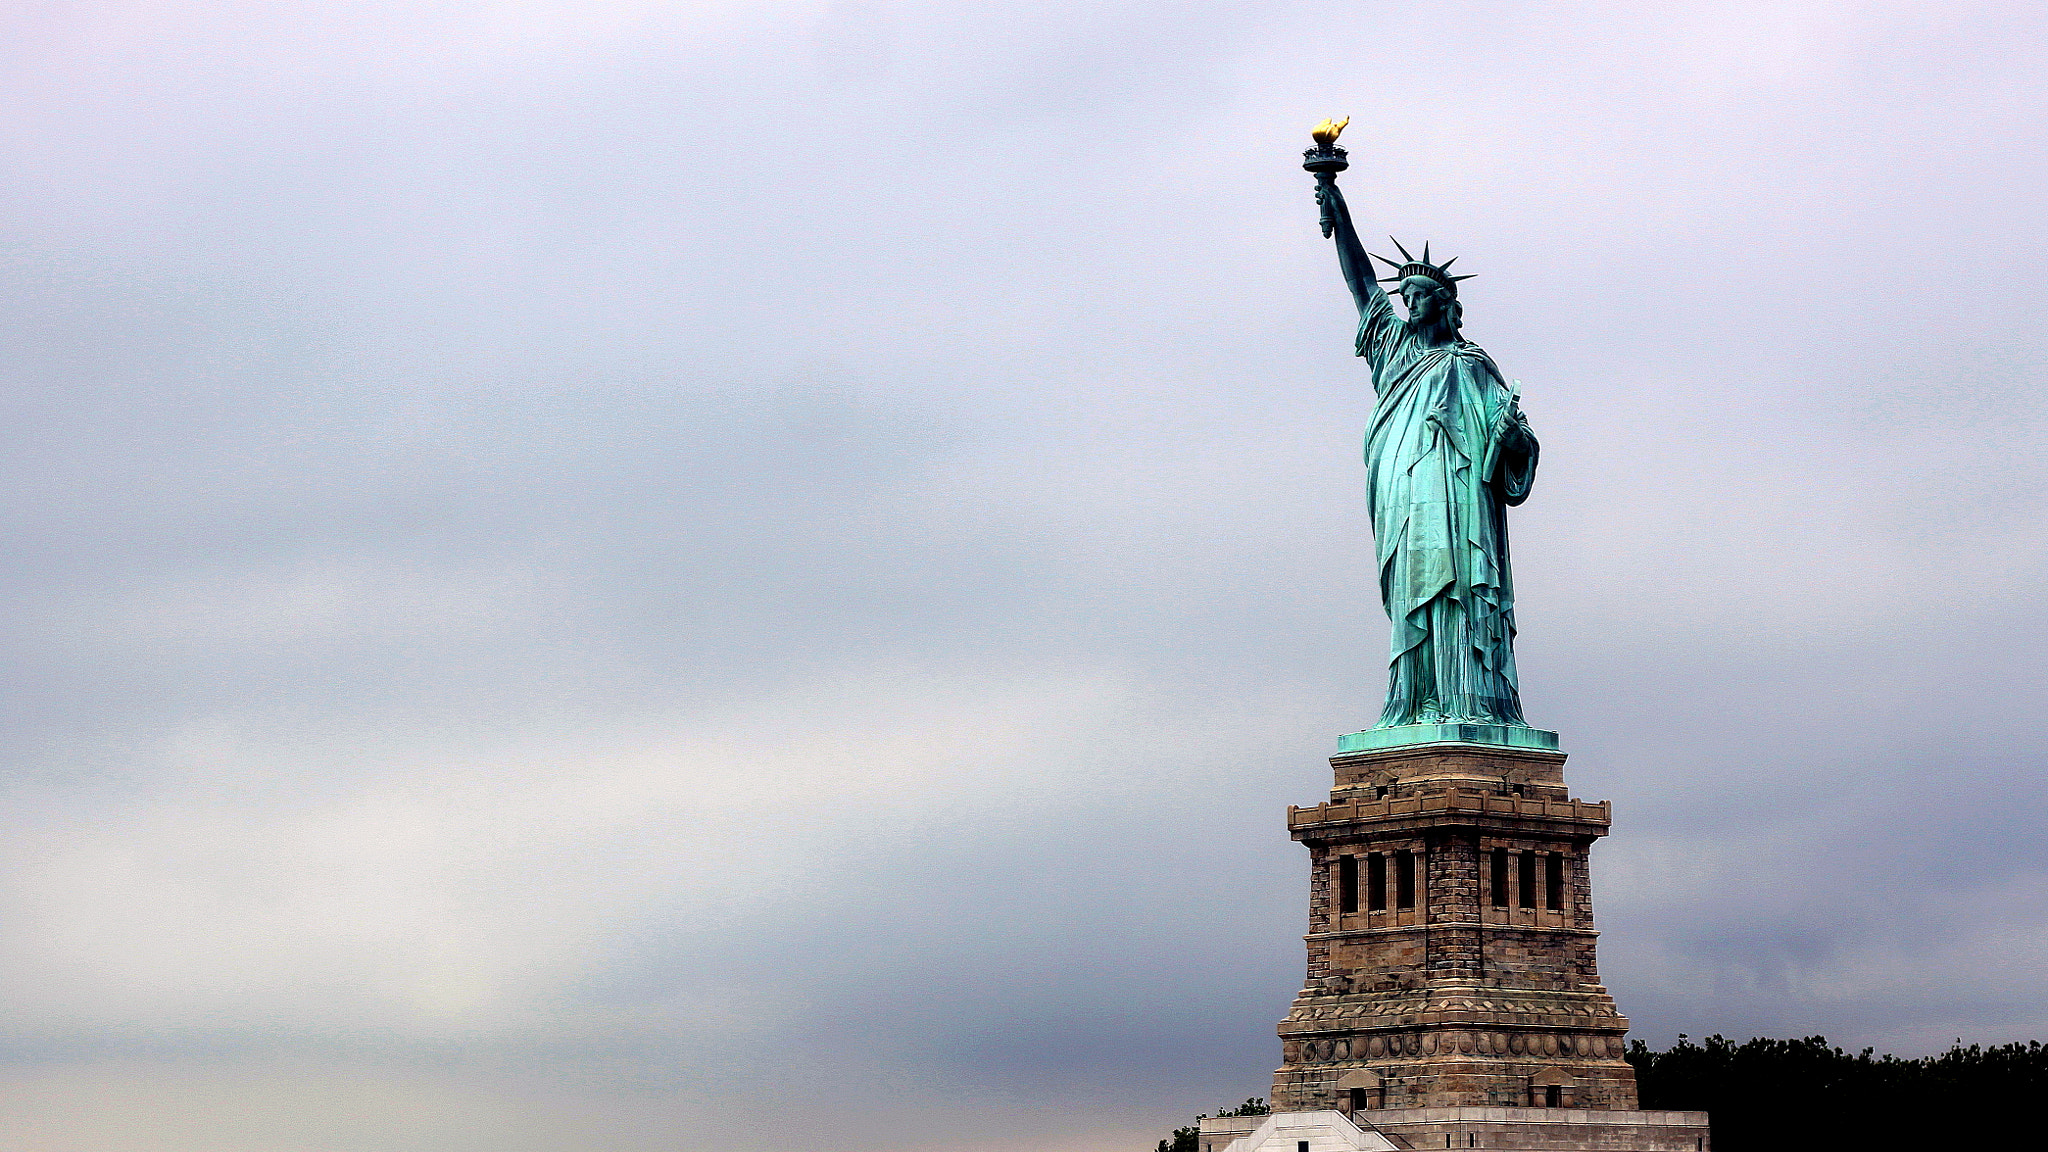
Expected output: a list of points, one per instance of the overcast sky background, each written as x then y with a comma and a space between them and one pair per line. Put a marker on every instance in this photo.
625, 575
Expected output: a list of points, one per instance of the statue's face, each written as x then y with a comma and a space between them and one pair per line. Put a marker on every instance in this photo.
1424, 305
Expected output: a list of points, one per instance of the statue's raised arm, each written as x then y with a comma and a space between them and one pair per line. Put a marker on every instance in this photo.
1351, 257
1326, 160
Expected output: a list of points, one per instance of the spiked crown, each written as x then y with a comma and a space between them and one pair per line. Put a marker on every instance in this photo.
1408, 266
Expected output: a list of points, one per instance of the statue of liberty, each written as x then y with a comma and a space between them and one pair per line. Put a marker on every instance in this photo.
1447, 453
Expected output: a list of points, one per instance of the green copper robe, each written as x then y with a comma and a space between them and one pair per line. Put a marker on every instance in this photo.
1447, 453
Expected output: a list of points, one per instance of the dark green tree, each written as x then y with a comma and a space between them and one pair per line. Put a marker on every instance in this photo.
1767, 1094
1189, 1139
1253, 1106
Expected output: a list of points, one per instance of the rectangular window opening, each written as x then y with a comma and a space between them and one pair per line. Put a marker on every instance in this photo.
1528, 879
1404, 878
1553, 888
1500, 877
1347, 883
1376, 882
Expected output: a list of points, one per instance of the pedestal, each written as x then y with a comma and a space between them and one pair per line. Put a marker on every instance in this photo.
1451, 967
1524, 1129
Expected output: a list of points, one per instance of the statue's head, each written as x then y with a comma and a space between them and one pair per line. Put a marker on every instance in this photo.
1430, 303
1429, 290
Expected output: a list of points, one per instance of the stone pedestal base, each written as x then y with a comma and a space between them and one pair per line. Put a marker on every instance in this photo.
1423, 1129
1541, 1129
1450, 943
1452, 998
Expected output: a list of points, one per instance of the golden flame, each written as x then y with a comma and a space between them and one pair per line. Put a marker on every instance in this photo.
1326, 133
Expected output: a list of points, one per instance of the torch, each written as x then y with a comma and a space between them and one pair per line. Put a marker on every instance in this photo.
1326, 160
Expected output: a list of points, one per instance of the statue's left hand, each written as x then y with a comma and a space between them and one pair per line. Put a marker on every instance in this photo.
1510, 425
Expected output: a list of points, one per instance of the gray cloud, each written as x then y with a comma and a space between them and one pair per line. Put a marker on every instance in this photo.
584, 571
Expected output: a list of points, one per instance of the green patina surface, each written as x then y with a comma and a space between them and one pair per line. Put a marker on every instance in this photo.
1493, 735
1447, 453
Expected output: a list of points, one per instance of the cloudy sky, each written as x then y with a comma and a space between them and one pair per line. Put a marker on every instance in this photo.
642, 575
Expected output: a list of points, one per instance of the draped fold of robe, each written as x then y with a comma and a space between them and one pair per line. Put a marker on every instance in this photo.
1448, 451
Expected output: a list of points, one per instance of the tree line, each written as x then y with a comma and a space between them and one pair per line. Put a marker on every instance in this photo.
1765, 1094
